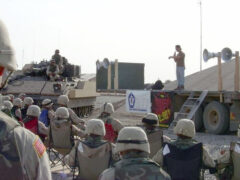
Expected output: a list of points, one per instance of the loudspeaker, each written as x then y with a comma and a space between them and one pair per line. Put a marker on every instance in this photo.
227, 54
208, 55
105, 63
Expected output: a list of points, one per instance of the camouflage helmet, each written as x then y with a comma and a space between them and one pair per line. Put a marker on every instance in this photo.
17, 102
150, 119
95, 126
132, 138
33, 110
28, 101
63, 100
22, 96
185, 127
62, 113
8, 104
7, 57
6, 98
107, 108
47, 103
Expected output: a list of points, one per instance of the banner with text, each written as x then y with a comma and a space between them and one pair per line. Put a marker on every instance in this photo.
138, 101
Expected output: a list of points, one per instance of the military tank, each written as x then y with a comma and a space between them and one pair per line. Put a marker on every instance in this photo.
33, 81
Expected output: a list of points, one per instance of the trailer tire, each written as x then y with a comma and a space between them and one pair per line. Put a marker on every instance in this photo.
198, 119
216, 118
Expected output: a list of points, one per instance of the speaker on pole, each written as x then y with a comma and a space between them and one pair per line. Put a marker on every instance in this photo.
208, 55
226, 54
105, 63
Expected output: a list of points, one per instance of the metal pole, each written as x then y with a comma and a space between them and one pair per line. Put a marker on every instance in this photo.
200, 3
236, 84
219, 72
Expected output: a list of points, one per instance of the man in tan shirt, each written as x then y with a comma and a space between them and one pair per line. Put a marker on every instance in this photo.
179, 57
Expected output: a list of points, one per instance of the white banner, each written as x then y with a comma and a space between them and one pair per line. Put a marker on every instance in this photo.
138, 101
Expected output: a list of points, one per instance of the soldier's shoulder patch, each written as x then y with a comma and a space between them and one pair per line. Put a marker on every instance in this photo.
39, 147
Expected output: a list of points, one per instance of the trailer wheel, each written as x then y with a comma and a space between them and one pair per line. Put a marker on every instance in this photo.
198, 119
216, 118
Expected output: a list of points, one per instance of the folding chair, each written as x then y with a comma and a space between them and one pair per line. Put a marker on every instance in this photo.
183, 164
61, 141
155, 140
90, 169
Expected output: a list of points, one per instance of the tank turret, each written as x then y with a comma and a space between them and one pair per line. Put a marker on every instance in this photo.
33, 81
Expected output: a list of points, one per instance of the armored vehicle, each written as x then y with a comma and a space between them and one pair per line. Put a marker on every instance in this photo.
33, 81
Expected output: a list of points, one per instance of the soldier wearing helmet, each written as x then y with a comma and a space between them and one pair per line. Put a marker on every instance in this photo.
22, 96
59, 60
90, 152
154, 134
28, 101
47, 113
11, 97
62, 101
16, 141
16, 110
185, 131
53, 71
7, 108
133, 147
112, 125
61, 132
31, 119
57, 57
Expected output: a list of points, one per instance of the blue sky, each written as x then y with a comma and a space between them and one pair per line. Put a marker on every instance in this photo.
141, 31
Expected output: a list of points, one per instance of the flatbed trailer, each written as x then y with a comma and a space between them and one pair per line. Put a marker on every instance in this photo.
218, 113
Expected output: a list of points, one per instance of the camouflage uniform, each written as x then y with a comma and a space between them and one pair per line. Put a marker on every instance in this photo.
26, 103
112, 125
7, 108
133, 146
53, 71
155, 135
229, 163
16, 110
7, 112
74, 118
63, 102
22, 154
59, 60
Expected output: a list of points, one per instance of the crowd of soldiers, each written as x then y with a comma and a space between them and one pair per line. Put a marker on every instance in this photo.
101, 148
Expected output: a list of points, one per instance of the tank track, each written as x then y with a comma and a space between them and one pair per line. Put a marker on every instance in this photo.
84, 111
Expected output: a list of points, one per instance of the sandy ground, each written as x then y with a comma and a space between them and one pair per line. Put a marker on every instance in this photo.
213, 142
